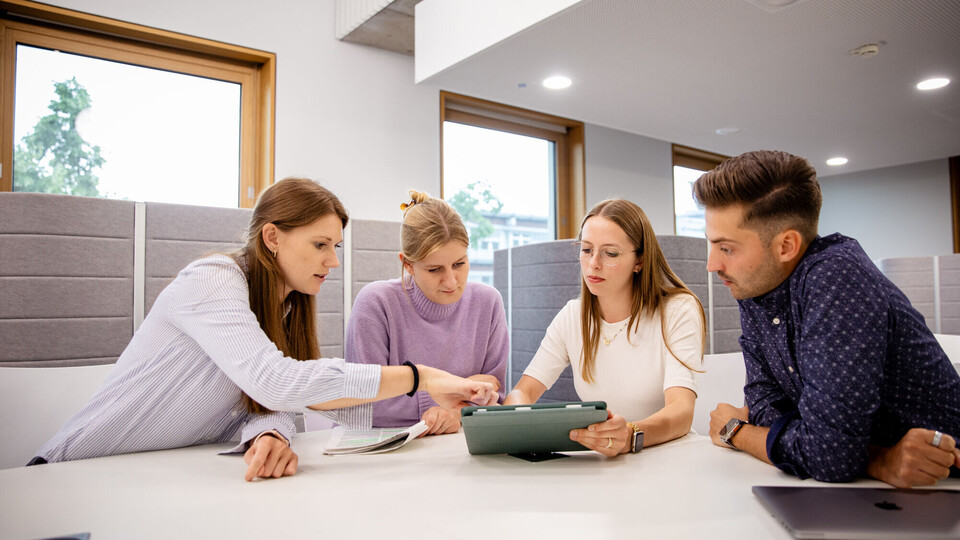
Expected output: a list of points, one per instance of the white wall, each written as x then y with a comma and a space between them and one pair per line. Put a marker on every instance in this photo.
634, 167
348, 115
901, 211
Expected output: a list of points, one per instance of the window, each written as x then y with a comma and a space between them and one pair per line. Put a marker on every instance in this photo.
688, 165
515, 176
146, 114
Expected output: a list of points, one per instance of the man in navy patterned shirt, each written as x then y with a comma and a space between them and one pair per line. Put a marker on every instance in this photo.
843, 375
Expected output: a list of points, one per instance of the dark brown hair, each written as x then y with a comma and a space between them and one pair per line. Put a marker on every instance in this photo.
778, 191
652, 286
288, 204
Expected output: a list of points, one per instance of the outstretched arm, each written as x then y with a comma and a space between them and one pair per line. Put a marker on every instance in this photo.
446, 389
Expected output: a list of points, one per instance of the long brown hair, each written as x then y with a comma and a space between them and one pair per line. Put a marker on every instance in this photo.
651, 287
428, 225
288, 204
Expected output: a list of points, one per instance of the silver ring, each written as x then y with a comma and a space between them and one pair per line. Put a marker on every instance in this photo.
609, 442
936, 438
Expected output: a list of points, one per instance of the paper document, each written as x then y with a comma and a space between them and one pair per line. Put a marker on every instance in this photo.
355, 441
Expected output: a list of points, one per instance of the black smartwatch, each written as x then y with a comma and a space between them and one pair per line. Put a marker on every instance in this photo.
731, 429
636, 442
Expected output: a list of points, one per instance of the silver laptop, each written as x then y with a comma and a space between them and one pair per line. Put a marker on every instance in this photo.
850, 512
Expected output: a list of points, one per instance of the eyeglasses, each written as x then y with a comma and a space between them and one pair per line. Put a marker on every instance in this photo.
609, 256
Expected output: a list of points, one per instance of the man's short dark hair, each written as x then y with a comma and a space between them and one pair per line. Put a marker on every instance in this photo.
778, 191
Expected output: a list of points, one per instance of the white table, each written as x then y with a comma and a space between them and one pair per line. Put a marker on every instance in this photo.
432, 488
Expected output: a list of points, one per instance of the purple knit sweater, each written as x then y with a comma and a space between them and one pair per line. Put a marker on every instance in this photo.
389, 326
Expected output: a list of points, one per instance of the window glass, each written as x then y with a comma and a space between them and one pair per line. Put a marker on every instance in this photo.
87, 126
502, 184
689, 216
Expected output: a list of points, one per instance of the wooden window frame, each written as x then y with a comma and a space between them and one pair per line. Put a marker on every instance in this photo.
566, 134
701, 160
691, 158
30, 23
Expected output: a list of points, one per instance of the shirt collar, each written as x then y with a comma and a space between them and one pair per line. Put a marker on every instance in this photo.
779, 298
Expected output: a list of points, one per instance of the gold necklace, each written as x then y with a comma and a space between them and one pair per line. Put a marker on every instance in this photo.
606, 340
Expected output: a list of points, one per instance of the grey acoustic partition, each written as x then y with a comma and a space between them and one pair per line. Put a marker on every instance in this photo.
535, 281
177, 234
932, 284
687, 256
374, 248
723, 319
949, 266
915, 277
66, 279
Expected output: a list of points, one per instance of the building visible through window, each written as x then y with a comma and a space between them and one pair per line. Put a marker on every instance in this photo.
501, 184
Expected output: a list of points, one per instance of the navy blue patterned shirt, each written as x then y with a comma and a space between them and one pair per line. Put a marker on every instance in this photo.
837, 360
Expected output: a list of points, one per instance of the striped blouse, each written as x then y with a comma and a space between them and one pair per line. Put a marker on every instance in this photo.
180, 380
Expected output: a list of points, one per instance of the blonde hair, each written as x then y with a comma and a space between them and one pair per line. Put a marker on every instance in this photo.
428, 225
288, 204
652, 286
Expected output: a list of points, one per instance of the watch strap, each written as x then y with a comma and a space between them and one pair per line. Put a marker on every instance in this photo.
636, 438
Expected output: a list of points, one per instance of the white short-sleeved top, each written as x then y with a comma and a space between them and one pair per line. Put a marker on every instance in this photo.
630, 375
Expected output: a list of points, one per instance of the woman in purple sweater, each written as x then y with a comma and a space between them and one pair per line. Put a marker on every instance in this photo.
432, 317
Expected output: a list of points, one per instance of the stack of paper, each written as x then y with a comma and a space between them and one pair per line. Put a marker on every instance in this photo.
352, 441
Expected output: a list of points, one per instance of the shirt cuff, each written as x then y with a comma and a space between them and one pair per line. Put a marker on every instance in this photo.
775, 457
273, 432
278, 422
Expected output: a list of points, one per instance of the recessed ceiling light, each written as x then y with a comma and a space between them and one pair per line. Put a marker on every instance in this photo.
933, 84
728, 130
557, 82
837, 161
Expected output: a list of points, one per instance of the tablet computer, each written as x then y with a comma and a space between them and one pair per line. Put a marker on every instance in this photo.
528, 429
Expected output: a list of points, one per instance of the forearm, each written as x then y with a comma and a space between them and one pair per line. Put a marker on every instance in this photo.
752, 440
394, 381
517, 397
670, 422
527, 391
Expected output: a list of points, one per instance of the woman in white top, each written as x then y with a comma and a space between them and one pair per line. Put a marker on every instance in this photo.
634, 338
221, 350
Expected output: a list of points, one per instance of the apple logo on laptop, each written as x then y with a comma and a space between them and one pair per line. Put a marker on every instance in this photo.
887, 506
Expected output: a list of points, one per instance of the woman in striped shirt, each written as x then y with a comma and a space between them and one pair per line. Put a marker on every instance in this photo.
222, 351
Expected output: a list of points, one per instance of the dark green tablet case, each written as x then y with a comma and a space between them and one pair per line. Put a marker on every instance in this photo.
528, 429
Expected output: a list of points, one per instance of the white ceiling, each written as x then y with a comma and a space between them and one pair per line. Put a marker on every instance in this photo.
677, 70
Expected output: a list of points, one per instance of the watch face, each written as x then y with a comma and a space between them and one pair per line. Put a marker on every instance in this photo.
637, 442
730, 430
732, 423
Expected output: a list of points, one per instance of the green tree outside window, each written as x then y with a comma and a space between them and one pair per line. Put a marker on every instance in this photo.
472, 202
54, 158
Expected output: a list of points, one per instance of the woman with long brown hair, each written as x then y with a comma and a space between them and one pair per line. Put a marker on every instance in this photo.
634, 337
231, 345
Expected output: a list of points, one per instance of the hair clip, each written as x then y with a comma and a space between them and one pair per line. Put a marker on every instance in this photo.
405, 206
